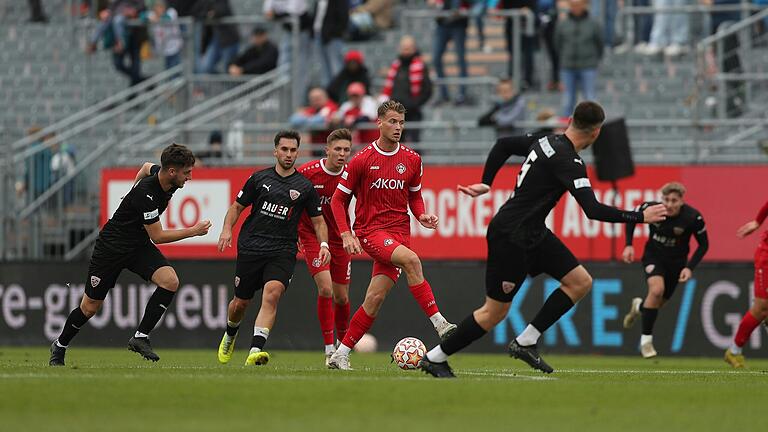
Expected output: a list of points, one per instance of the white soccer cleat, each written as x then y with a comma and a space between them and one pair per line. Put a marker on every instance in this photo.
647, 350
328, 358
634, 312
445, 330
339, 361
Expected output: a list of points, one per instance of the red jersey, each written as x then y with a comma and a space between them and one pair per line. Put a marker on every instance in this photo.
761, 216
385, 184
325, 183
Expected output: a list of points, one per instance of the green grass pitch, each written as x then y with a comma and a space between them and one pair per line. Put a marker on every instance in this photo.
114, 390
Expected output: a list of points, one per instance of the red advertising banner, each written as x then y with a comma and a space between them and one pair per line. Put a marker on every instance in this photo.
727, 196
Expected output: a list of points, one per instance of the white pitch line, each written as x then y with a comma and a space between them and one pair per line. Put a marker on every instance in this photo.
508, 375
661, 372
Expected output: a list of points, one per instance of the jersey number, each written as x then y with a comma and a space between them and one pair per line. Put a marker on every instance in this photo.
532, 156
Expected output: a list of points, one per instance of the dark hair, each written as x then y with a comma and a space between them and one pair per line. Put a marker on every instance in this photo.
176, 156
340, 134
258, 30
587, 116
290, 134
390, 105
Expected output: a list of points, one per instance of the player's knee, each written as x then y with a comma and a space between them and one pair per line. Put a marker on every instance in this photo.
272, 295
240, 305
340, 298
90, 307
499, 312
324, 290
171, 283
412, 264
760, 311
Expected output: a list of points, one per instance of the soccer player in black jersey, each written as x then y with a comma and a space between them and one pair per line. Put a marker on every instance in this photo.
266, 246
519, 244
665, 259
127, 241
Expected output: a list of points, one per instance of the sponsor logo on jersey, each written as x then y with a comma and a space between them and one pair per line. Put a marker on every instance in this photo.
581, 183
678, 231
374, 167
95, 281
150, 197
325, 200
277, 211
294, 194
400, 168
382, 183
151, 215
319, 186
507, 287
316, 262
237, 281
266, 187
388, 242
664, 240
578, 161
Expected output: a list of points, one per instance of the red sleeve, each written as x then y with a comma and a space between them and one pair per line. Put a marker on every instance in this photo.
343, 196
761, 215
415, 201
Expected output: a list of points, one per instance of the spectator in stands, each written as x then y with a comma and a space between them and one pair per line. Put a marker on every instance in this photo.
36, 12
548, 16
221, 41
166, 32
260, 57
642, 30
125, 42
579, 42
509, 109
527, 42
215, 149
451, 27
329, 24
37, 170
408, 82
354, 71
604, 12
669, 32
369, 18
62, 165
479, 11
284, 10
316, 117
359, 108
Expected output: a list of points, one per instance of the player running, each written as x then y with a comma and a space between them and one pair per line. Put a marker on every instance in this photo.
519, 243
759, 310
385, 177
332, 280
127, 241
665, 259
266, 245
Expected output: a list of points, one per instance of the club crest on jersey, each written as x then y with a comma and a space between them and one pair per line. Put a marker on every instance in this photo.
649, 268
678, 231
95, 281
388, 242
400, 168
507, 287
294, 194
237, 281
316, 262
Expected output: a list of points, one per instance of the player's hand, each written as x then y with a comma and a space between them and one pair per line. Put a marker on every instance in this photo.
655, 213
351, 243
429, 221
201, 228
474, 190
685, 275
324, 255
747, 229
628, 255
225, 240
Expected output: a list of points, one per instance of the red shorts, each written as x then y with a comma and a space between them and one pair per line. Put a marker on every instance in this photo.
340, 265
380, 245
761, 273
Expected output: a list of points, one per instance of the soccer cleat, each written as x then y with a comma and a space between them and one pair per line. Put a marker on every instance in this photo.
226, 348
445, 330
339, 361
437, 370
530, 355
634, 312
647, 350
735, 360
258, 358
143, 347
328, 358
57, 355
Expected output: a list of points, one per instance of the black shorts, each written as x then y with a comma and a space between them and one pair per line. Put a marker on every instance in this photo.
106, 265
667, 269
509, 264
253, 272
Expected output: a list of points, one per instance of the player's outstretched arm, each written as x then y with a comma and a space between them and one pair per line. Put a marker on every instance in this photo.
599, 211
160, 235
703, 240
233, 214
144, 171
321, 233
752, 226
501, 151
629, 234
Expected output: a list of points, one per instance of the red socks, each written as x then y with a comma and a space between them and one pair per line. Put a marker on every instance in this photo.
748, 324
360, 324
424, 297
341, 314
325, 315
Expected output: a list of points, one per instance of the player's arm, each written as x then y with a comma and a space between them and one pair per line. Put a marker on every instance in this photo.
700, 233
146, 170
321, 232
500, 152
416, 202
629, 234
340, 209
752, 226
160, 235
247, 196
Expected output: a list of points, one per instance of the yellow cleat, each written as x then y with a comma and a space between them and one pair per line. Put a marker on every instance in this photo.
226, 348
257, 358
735, 360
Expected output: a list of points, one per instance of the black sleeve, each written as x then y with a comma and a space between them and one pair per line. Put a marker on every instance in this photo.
313, 204
145, 206
154, 169
501, 151
629, 229
262, 63
249, 193
700, 232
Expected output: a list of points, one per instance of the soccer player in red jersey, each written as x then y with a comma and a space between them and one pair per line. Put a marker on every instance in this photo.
332, 279
759, 310
385, 177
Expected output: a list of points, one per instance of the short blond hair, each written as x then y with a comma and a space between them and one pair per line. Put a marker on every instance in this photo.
390, 105
673, 187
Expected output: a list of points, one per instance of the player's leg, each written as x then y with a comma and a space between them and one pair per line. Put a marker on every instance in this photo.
756, 314
248, 278
341, 271
75, 321
649, 311
325, 309
167, 284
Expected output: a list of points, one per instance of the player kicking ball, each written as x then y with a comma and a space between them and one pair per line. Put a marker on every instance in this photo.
665, 259
332, 279
386, 179
519, 243
266, 246
127, 241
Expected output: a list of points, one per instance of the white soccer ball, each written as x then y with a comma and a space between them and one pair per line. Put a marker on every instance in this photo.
408, 352
366, 344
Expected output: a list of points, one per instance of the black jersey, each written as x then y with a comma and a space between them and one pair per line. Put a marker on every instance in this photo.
551, 168
278, 202
669, 239
143, 205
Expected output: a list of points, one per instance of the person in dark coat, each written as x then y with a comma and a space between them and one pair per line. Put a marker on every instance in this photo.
260, 57
354, 71
221, 41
